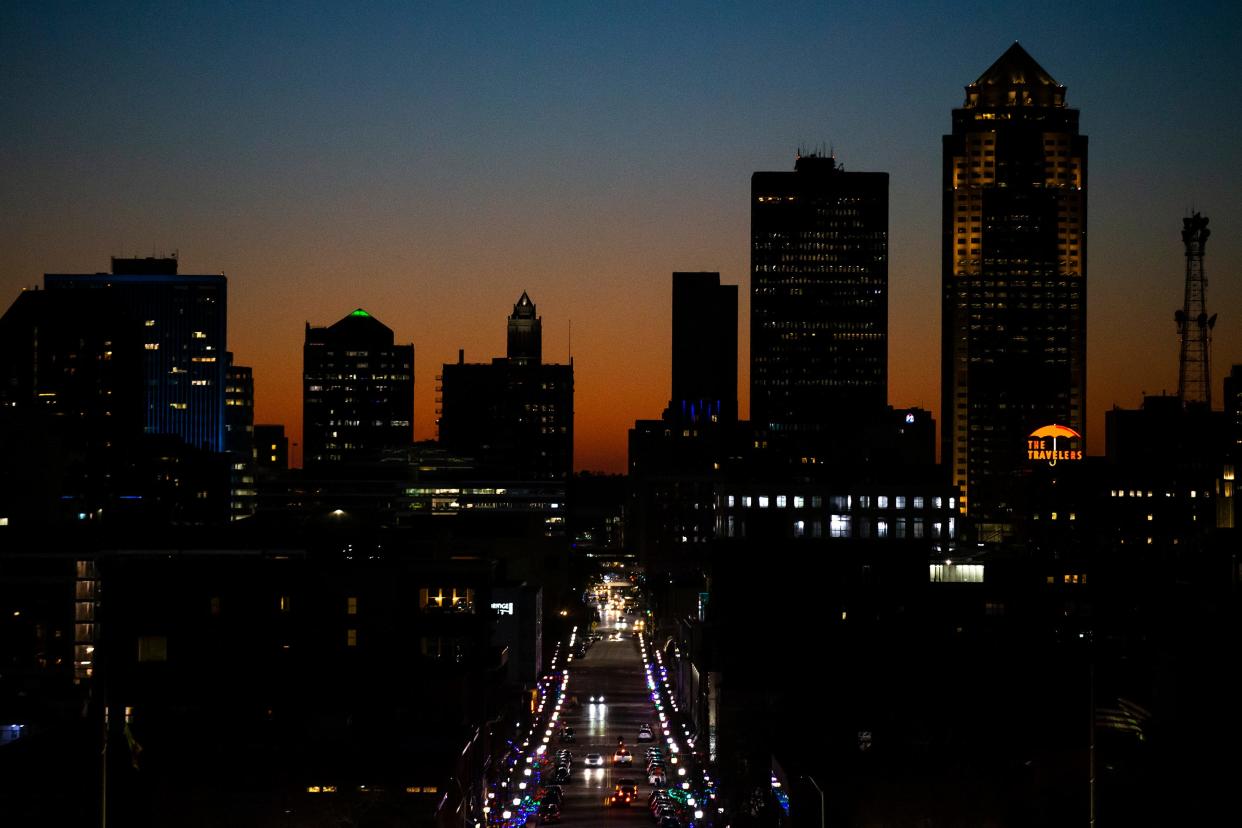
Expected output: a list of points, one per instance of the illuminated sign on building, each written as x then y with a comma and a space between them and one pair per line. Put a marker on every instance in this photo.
1042, 444
503, 608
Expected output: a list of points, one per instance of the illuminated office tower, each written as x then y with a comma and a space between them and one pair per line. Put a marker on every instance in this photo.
357, 393
181, 320
1014, 280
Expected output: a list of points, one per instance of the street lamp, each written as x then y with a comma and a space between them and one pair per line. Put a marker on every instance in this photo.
820, 791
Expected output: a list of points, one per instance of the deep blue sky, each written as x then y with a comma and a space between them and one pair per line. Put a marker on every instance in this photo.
429, 162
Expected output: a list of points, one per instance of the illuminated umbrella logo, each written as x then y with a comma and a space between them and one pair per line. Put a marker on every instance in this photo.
1055, 431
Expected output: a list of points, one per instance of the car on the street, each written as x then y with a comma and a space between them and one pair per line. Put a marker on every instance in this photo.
669, 822
567, 734
549, 812
665, 809
619, 797
594, 760
656, 777
622, 757
644, 733
561, 775
597, 699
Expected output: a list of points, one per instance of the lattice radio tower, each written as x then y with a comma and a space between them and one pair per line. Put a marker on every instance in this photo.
1194, 326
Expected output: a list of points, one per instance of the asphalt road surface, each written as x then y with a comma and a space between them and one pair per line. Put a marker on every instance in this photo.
614, 670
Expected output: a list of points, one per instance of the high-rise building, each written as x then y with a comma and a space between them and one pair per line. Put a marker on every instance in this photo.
239, 437
183, 323
515, 415
525, 339
1014, 280
357, 393
704, 348
819, 302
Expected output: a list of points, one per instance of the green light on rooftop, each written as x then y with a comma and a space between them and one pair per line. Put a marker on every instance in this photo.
360, 312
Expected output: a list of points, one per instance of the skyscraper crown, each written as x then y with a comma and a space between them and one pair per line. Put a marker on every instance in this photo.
1015, 79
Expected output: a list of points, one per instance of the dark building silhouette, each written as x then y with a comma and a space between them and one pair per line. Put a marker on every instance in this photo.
514, 416
271, 449
357, 393
819, 302
112, 397
525, 339
704, 348
1233, 405
183, 325
1014, 312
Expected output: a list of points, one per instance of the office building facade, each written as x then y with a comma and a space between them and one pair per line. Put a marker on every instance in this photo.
182, 321
819, 302
1014, 280
357, 392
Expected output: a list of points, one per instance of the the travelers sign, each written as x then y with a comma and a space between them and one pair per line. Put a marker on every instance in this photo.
1053, 444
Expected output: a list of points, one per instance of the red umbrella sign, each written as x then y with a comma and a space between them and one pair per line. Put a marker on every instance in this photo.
1042, 444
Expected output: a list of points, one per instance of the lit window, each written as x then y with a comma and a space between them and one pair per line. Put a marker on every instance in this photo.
746, 501
881, 528
284, 603
901, 501
780, 501
152, 346
799, 501
799, 528
918, 503
729, 500
882, 501
351, 638
839, 526
763, 501
351, 605
150, 323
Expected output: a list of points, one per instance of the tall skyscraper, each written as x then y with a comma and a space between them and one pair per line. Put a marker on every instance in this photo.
525, 339
183, 321
515, 415
819, 302
704, 348
112, 391
357, 393
1014, 280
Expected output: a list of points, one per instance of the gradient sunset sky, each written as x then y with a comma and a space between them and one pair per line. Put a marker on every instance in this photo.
430, 162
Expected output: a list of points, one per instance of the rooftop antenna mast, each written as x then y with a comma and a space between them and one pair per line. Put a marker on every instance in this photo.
1194, 326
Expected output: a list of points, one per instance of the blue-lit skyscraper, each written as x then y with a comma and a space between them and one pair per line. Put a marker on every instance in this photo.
181, 321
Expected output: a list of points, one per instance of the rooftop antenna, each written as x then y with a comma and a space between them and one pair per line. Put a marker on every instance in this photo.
1194, 326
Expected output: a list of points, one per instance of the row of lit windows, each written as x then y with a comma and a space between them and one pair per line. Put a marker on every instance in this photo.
843, 503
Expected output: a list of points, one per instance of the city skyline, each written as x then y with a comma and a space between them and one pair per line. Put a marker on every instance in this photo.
594, 175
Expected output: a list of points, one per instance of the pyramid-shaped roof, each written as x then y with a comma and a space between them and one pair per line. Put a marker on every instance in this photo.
1015, 71
524, 309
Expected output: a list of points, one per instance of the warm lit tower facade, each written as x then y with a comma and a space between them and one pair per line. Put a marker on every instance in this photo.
819, 302
1194, 326
1014, 279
